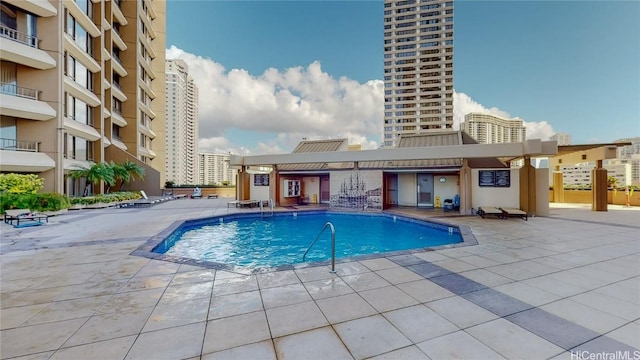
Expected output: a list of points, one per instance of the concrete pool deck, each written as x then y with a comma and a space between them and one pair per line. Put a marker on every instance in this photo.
565, 286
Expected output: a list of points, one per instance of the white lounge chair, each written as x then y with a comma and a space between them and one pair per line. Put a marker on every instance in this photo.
490, 210
506, 212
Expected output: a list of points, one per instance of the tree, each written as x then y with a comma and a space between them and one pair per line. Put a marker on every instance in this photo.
134, 170
612, 182
120, 173
94, 174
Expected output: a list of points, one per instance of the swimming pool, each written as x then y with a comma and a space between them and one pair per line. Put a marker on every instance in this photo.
272, 241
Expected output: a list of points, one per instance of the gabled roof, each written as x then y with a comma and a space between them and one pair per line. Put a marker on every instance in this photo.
308, 146
311, 146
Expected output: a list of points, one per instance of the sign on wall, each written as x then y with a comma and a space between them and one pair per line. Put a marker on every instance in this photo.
494, 178
261, 180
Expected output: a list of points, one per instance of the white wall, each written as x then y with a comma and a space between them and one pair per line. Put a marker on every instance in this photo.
447, 189
542, 192
311, 187
496, 196
407, 189
258, 192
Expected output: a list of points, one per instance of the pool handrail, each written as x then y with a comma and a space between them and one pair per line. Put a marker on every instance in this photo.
333, 245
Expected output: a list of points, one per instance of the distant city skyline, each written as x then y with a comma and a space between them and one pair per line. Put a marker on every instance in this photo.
273, 72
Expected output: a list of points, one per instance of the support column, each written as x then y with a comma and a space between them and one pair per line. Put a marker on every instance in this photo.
465, 188
274, 185
528, 187
599, 188
242, 185
558, 186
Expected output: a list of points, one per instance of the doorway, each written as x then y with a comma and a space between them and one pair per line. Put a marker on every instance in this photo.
325, 189
425, 190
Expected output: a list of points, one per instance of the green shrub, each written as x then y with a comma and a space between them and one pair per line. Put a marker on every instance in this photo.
105, 198
34, 202
20, 183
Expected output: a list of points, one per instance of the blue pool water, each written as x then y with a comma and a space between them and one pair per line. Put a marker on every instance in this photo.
282, 239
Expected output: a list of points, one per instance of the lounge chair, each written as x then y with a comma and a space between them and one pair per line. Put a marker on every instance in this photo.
490, 210
506, 212
24, 218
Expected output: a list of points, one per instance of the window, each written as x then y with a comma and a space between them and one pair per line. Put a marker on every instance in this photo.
79, 34
85, 6
7, 130
78, 72
79, 111
78, 148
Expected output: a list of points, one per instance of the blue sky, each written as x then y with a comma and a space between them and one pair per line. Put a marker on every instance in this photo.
570, 66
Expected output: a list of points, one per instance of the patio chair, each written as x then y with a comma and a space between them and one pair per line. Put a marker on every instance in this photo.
24, 218
197, 193
490, 210
507, 212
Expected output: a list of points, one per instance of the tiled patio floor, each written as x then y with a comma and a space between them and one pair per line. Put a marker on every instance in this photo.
536, 289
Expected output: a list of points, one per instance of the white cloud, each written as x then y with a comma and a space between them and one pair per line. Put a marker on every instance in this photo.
295, 103
463, 104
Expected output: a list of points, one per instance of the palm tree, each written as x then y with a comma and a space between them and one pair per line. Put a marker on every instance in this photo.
134, 170
119, 173
94, 174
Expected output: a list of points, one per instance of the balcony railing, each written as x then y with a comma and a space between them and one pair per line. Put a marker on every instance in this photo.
18, 36
19, 91
117, 111
17, 145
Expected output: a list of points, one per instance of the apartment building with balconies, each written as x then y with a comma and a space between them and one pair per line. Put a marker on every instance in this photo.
80, 83
181, 124
491, 129
418, 68
215, 169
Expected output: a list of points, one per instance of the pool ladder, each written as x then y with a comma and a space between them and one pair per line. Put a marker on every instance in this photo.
271, 206
333, 245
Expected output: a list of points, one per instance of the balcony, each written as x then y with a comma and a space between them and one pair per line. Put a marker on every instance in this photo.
147, 130
82, 18
23, 156
116, 64
80, 92
38, 7
81, 55
23, 49
146, 109
117, 13
117, 92
23, 103
117, 118
146, 86
146, 152
117, 141
79, 129
117, 39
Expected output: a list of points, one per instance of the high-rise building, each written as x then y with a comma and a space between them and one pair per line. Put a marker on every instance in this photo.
81, 81
630, 154
215, 169
491, 129
418, 67
181, 124
562, 138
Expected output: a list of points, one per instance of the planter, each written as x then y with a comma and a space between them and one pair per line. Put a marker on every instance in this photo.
99, 205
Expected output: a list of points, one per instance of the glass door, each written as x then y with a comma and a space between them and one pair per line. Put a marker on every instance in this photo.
425, 190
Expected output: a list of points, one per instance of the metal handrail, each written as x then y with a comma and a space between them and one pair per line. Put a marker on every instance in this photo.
262, 207
19, 91
26, 39
333, 245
